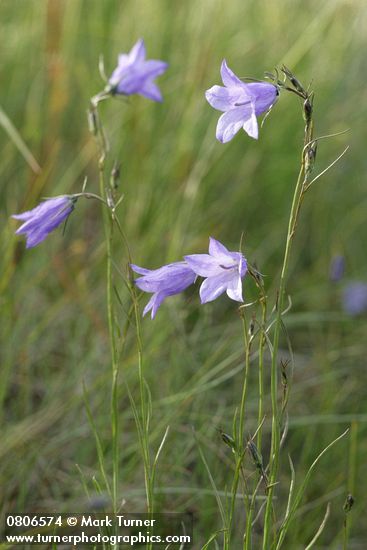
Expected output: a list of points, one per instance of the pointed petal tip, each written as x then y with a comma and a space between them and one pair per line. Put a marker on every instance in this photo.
23, 216
213, 242
139, 270
203, 298
146, 309
223, 138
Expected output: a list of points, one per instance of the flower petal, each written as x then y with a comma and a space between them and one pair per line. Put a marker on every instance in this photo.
37, 234
150, 90
25, 216
135, 77
222, 98
44, 207
232, 121
264, 94
213, 287
204, 265
140, 270
123, 60
154, 67
154, 303
172, 279
217, 249
228, 76
118, 73
234, 288
251, 127
49, 213
137, 52
36, 237
242, 266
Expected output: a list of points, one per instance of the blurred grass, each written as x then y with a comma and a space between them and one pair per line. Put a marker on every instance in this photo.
180, 186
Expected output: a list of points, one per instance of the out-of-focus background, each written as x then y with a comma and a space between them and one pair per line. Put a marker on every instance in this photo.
180, 185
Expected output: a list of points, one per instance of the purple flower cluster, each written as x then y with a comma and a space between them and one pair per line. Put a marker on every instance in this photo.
223, 272
221, 269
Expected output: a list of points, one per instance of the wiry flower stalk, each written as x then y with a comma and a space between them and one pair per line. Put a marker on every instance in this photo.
307, 160
108, 229
133, 75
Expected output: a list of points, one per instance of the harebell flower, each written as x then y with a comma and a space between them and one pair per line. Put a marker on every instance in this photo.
135, 75
44, 218
241, 103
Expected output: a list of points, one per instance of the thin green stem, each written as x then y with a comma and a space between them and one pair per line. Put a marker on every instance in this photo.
110, 220
248, 535
262, 341
247, 344
351, 482
149, 478
144, 413
108, 225
107, 216
275, 425
236, 477
239, 452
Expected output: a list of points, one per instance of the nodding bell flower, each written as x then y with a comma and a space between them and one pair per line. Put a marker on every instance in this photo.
223, 271
163, 282
135, 75
241, 103
44, 218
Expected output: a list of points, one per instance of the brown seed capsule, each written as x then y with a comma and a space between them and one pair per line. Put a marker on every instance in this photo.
349, 501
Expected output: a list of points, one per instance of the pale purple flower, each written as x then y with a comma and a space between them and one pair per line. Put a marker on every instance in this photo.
135, 75
337, 268
166, 281
43, 219
241, 103
223, 272
355, 298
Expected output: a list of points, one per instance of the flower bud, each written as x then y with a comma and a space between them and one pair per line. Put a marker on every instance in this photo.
348, 504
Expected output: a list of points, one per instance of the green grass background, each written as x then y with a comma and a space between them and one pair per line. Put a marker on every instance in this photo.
180, 186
